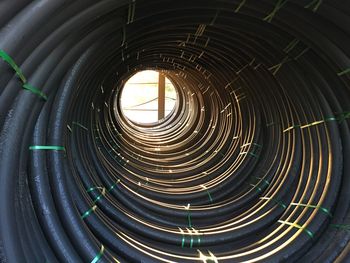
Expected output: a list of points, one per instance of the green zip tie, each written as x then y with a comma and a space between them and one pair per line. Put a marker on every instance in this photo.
264, 180
340, 118
277, 201
343, 116
240, 6
6, 57
209, 195
277, 67
183, 238
79, 125
93, 188
189, 218
252, 154
292, 127
47, 147
323, 209
302, 53
88, 212
215, 17
100, 196
317, 4
340, 226
344, 72
298, 226
291, 45
35, 91
278, 6
312, 124
196, 232
256, 188
131, 12
99, 255
112, 187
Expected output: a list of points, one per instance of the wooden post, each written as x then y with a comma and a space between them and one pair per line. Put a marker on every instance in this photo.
161, 96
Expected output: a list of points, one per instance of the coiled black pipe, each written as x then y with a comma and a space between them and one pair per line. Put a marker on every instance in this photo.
249, 167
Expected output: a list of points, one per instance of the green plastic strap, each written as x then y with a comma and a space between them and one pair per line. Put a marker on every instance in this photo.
99, 255
302, 53
343, 116
277, 67
298, 226
316, 4
312, 124
88, 212
210, 197
240, 6
292, 127
258, 189
112, 187
6, 57
264, 180
196, 232
340, 226
277, 201
93, 188
191, 241
253, 154
131, 12
278, 6
215, 17
47, 147
250, 153
79, 125
344, 72
323, 209
103, 192
189, 218
291, 45
183, 238
35, 91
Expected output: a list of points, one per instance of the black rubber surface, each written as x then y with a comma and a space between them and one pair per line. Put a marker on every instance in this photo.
252, 165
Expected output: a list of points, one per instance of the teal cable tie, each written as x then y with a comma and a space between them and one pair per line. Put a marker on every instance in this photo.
316, 4
189, 219
323, 209
299, 227
80, 125
112, 187
35, 91
240, 6
99, 255
88, 212
343, 116
210, 197
278, 6
47, 147
344, 72
6, 57
341, 226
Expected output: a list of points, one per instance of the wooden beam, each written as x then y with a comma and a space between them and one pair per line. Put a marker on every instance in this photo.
161, 96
